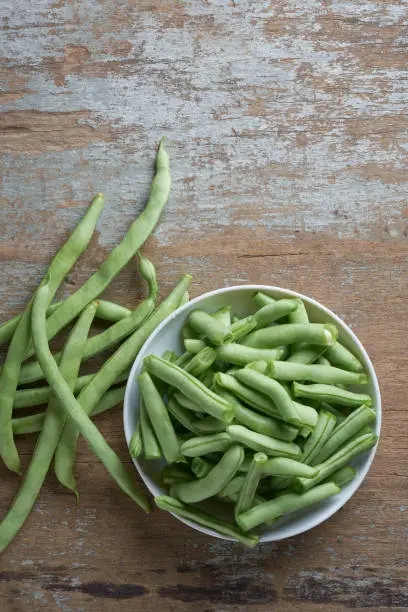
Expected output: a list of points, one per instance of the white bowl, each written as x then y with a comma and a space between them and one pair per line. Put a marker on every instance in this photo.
167, 336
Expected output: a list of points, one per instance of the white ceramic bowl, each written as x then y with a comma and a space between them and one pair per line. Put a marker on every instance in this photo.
167, 336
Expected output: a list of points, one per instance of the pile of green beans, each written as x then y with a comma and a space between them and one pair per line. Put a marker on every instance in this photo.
256, 413
72, 399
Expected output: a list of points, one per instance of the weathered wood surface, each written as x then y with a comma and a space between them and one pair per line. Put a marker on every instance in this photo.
288, 132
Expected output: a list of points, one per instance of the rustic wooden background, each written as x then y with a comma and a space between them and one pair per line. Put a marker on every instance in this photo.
288, 131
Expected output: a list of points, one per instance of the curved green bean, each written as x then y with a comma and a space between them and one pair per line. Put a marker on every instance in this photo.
330, 393
159, 418
72, 406
148, 273
190, 387
137, 234
261, 443
211, 484
282, 370
169, 504
52, 427
208, 327
340, 356
284, 504
203, 445
292, 333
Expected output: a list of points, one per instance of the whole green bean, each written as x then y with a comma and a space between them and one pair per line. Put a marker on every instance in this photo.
261, 299
174, 506
261, 443
340, 356
306, 353
282, 466
159, 418
253, 476
194, 346
208, 327
211, 484
137, 234
73, 407
242, 355
292, 333
285, 504
325, 425
49, 435
342, 476
274, 391
282, 370
118, 362
358, 419
223, 315
203, 445
273, 312
35, 422
338, 460
151, 447
200, 467
257, 422
330, 393
58, 269
190, 387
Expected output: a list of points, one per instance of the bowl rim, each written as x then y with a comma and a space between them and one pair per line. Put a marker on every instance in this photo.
357, 481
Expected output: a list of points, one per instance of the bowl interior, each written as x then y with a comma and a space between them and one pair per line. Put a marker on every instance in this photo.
168, 336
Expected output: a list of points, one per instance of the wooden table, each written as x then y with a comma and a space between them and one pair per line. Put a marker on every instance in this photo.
288, 133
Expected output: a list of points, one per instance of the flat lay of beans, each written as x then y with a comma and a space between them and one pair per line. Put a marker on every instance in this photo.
260, 420
259, 417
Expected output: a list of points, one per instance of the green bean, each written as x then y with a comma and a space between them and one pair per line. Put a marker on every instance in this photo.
285, 504
174, 506
208, 486
119, 361
184, 359
274, 312
187, 332
170, 356
208, 378
233, 487
325, 425
200, 467
306, 354
187, 403
242, 328
28, 398
58, 268
247, 493
342, 476
137, 234
338, 415
48, 438
190, 387
282, 370
244, 467
208, 327
257, 422
181, 415
148, 273
209, 425
323, 361
136, 441
185, 299
203, 445
151, 447
364, 430
34, 422
282, 466
338, 460
194, 346
261, 299
330, 393
344, 431
274, 391
340, 356
201, 362
223, 315
175, 473
299, 315
262, 443
242, 355
292, 333
74, 408
159, 418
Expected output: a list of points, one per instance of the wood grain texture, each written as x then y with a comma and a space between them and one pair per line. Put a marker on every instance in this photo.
288, 133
